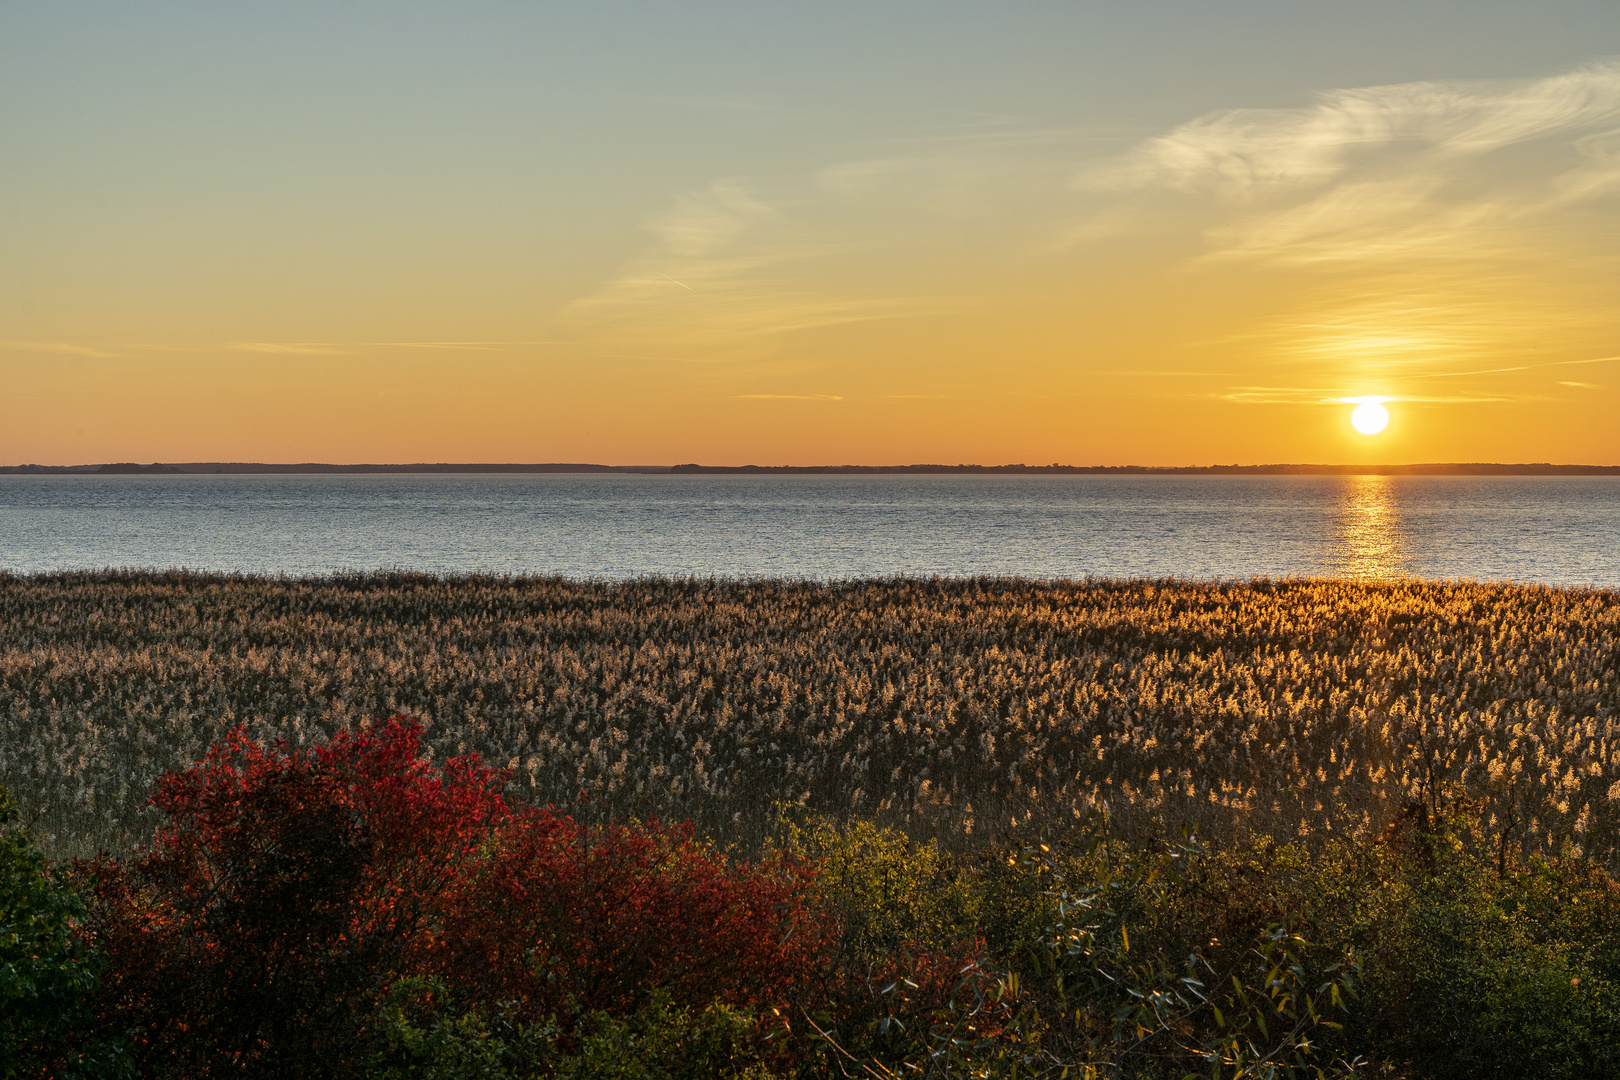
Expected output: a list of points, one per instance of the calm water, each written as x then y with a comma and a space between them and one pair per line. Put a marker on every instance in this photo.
1557, 529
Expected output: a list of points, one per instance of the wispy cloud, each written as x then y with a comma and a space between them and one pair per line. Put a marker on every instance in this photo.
292, 348
792, 397
1400, 321
1386, 172
994, 169
473, 346
1401, 391
726, 271
66, 348
1427, 230
123, 350
1306, 395
351, 348
731, 268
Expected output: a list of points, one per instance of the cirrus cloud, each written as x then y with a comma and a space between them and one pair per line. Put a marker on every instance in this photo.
1373, 173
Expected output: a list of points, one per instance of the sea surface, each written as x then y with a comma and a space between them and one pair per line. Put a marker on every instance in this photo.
1556, 530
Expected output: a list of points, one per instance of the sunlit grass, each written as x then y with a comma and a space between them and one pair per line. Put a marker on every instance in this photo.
944, 708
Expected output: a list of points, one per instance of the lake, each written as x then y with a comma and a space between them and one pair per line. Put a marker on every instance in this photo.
1557, 530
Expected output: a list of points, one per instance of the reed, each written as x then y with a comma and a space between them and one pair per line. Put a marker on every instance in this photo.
945, 708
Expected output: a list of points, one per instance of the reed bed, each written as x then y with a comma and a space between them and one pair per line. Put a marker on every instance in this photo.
947, 708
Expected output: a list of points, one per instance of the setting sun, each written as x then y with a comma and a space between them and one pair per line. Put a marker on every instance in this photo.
1370, 418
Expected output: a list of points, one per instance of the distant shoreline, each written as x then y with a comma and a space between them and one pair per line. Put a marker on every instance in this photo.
239, 468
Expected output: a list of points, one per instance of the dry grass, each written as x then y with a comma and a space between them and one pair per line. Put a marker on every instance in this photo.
942, 706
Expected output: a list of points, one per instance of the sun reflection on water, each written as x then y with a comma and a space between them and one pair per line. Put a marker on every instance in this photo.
1369, 537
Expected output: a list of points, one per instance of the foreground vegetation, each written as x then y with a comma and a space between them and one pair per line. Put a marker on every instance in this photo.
352, 910
984, 827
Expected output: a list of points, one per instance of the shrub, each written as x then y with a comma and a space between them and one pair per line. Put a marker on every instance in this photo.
282, 895
290, 888
570, 918
1513, 974
1144, 969
662, 1041
423, 1032
420, 1031
47, 970
888, 891
905, 969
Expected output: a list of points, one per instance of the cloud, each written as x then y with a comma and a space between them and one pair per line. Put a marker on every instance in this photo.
68, 348
701, 223
474, 346
123, 350
727, 272
793, 397
997, 170
1303, 395
1320, 395
351, 348
1386, 172
730, 269
1420, 231
292, 348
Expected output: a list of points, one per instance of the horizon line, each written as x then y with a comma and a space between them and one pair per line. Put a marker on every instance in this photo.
265, 468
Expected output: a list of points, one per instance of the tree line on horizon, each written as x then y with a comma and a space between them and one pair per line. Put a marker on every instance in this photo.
130, 468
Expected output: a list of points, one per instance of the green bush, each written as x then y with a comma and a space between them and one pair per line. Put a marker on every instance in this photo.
890, 891
1511, 975
47, 970
419, 1034
1171, 961
422, 1033
663, 1042
907, 970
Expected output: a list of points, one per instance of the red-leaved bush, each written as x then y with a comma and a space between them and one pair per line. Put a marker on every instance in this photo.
290, 887
600, 916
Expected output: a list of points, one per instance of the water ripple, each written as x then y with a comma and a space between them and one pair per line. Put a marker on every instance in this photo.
1562, 530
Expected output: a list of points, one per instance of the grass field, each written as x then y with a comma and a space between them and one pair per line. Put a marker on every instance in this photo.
946, 708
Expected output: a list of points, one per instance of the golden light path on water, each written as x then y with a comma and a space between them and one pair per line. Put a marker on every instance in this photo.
1369, 536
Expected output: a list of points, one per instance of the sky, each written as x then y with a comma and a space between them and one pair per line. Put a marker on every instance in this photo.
1159, 233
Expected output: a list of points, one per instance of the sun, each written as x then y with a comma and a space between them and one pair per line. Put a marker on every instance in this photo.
1370, 418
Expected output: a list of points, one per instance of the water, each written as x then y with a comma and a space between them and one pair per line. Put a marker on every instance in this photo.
1560, 530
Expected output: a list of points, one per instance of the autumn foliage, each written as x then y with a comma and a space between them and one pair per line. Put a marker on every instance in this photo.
291, 888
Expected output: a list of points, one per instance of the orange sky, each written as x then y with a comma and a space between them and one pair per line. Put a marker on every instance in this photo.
233, 244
